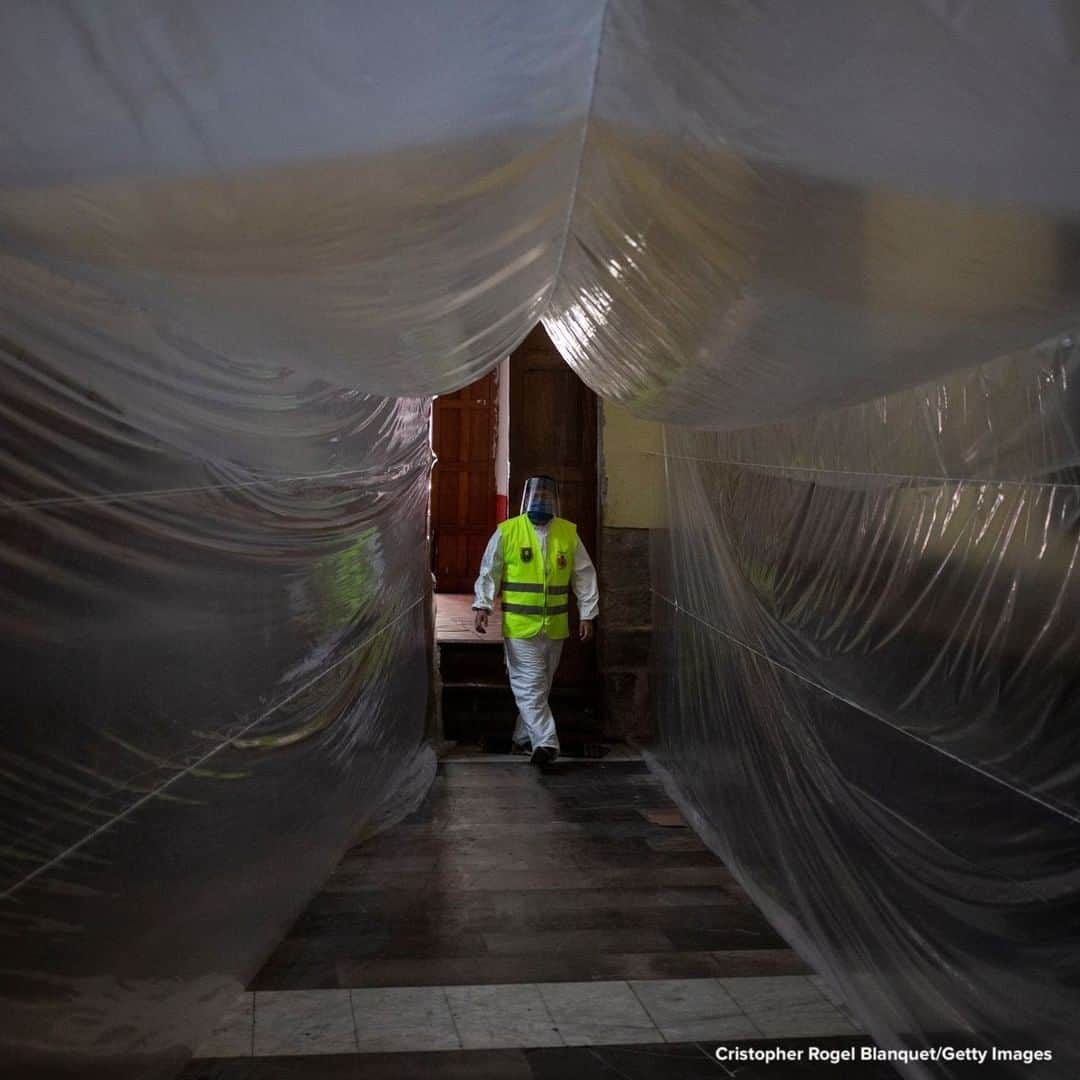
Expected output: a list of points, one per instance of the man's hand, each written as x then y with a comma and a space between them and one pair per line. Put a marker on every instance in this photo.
585, 630
480, 622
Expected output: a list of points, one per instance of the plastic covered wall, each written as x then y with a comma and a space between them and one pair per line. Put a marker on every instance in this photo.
833, 245
866, 683
216, 678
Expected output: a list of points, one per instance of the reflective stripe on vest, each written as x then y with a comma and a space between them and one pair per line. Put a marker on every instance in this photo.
535, 591
523, 609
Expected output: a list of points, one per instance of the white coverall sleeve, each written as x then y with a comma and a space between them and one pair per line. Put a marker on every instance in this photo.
585, 588
490, 578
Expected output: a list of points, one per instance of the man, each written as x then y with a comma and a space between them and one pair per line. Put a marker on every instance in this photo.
536, 557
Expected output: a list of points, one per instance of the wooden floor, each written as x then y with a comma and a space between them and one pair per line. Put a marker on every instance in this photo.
527, 924
454, 620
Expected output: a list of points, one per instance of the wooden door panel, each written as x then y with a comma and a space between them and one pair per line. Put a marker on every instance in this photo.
463, 482
447, 434
553, 419
451, 558
478, 501
538, 418
478, 442
475, 546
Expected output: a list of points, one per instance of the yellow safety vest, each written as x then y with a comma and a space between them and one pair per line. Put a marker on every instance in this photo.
535, 590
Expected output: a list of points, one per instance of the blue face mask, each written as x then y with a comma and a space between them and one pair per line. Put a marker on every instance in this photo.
537, 517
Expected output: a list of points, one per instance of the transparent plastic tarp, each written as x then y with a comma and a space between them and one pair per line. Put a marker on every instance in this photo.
787, 207
865, 638
833, 245
371, 193
224, 228
865, 616
216, 678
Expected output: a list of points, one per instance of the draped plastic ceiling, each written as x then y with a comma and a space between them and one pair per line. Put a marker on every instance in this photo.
833, 245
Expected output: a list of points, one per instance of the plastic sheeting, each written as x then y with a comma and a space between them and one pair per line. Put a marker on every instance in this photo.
785, 208
216, 677
370, 193
223, 227
865, 617
866, 637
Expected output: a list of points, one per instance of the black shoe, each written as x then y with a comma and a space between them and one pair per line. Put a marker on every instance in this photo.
544, 756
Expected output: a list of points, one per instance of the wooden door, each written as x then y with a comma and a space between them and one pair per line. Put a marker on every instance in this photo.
464, 426
553, 431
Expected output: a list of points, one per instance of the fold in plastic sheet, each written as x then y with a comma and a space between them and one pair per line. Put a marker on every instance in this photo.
374, 194
216, 677
784, 208
867, 639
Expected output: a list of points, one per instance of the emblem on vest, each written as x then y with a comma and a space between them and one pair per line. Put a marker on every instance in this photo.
562, 560
526, 554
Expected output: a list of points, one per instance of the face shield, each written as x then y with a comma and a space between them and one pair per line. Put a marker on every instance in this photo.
540, 499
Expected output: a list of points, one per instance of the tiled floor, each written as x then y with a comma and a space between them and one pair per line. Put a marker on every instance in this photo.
634, 1061
595, 1013
525, 924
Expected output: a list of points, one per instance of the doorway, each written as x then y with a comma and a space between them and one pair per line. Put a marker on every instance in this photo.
531, 415
553, 431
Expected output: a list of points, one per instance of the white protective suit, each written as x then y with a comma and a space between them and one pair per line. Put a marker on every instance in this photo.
531, 662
